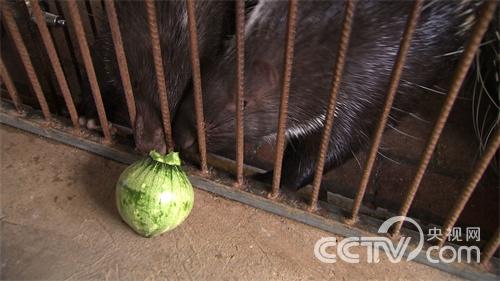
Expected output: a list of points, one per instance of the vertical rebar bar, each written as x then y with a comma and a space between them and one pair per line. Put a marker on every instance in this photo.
97, 16
71, 37
121, 58
89, 67
198, 100
11, 25
160, 74
54, 60
66, 52
397, 71
283, 110
474, 179
240, 77
490, 247
84, 13
473, 43
11, 89
337, 77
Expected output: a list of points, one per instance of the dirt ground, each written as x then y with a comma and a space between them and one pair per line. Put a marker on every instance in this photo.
59, 222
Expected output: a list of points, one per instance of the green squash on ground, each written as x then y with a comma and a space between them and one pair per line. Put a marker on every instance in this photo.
154, 195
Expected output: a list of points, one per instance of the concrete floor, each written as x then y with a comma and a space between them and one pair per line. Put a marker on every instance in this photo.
59, 221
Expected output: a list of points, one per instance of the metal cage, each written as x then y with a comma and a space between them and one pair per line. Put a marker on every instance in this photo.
343, 221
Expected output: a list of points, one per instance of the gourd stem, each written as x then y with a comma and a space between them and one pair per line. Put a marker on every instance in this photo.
171, 158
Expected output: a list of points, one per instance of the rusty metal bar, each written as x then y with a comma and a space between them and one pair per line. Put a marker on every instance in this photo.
39, 58
66, 53
479, 170
121, 58
391, 93
54, 60
89, 67
11, 25
11, 89
337, 76
490, 247
85, 20
160, 75
287, 74
487, 12
240, 77
70, 34
97, 16
198, 100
